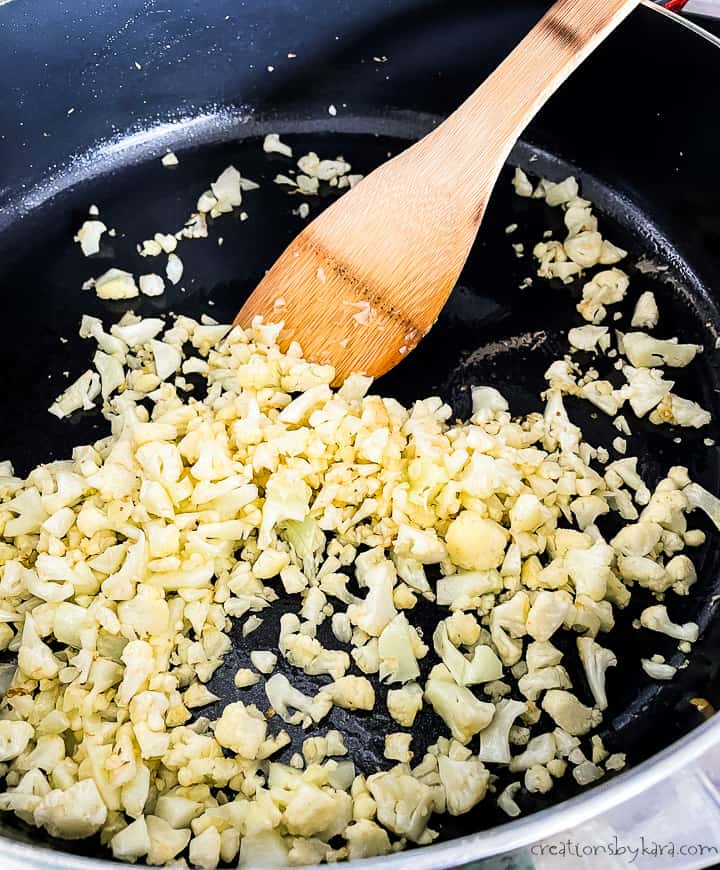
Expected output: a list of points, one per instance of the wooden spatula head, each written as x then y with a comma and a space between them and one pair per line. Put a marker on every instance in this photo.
366, 280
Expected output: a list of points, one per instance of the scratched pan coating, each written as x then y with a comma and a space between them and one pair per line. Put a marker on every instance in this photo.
491, 332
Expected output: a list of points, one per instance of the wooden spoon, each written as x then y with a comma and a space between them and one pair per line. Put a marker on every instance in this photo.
367, 279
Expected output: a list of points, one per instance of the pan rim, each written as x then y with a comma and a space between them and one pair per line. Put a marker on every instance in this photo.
513, 835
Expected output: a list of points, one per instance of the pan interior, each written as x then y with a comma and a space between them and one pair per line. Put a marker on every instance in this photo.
491, 332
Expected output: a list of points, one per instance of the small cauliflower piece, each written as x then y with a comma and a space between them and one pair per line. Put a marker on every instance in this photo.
645, 351
484, 666
538, 780
263, 660
131, 842
397, 747
476, 543
204, 849
405, 703
646, 313
399, 647
404, 804
587, 772
166, 842
605, 288
465, 783
658, 670
116, 284
506, 800
595, 661
676, 411
14, 738
656, 619
587, 337
351, 693
377, 609
539, 750
241, 729
521, 183
494, 739
88, 236
151, 284
366, 839
569, 713
457, 706
547, 614
74, 813
282, 696
534, 683
273, 145
79, 395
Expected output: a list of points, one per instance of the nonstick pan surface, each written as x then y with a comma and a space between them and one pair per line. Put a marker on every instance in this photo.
491, 332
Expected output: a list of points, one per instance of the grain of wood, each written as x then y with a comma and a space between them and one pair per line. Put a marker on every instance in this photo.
366, 280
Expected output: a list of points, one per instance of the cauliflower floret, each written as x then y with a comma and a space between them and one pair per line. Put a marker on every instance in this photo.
399, 647
606, 288
587, 337
656, 619
506, 800
475, 543
312, 810
645, 389
405, 703
366, 839
637, 539
521, 183
72, 814
131, 842
397, 747
542, 654
166, 843
644, 571
538, 780
404, 805
540, 750
377, 609
646, 314
658, 670
677, 411
423, 545
205, 848
589, 569
569, 713
14, 738
681, 573
698, 497
507, 621
241, 729
464, 590
351, 693
282, 695
484, 666
596, 660
532, 684
487, 401
547, 614
644, 351
35, 658
494, 739
457, 706
465, 783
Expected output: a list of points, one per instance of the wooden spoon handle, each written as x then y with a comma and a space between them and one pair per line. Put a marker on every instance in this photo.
478, 137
